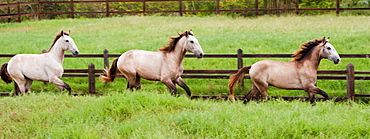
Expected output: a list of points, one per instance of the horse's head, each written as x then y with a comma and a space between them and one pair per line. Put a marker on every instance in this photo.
328, 51
192, 44
68, 44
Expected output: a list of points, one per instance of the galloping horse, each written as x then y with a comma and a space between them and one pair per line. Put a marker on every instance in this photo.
25, 68
164, 65
298, 74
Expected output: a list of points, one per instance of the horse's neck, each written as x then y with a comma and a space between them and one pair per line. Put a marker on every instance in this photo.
177, 55
56, 53
313, 60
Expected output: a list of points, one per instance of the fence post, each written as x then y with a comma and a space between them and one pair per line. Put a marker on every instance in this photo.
350, 81
180, 7
240, 64
9, 19
218, 7
256, 6
91, 73
72, 10
296, 7
144, 7
106, 58
38, 10
19, 12
107, 8
337, 7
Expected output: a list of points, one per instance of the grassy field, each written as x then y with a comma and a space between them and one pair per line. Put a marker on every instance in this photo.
150, 115
153, 113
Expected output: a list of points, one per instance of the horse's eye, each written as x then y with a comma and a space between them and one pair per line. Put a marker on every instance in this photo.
191, 41
67, 40
328, 48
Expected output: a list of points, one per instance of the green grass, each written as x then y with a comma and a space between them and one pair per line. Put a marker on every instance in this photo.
151, 115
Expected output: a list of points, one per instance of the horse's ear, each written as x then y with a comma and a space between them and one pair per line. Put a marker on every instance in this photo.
191, 32
324, 41
187, 33
69, 32
62, 33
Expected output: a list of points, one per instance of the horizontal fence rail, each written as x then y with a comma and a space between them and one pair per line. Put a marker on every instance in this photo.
349, 74
257, 7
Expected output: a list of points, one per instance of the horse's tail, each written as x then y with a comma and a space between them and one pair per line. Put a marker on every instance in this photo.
4, 74
236, 77
111, 73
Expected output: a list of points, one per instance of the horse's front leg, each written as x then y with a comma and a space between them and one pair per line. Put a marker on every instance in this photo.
182, 84
312, 90
323, 93
60, 84
171, 86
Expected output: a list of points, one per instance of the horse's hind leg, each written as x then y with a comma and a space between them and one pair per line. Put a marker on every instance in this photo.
21, 86
182, 84
28, 85
137, 82
252, 95
16, 89
171, 86
19, 81
262, 88
133, 81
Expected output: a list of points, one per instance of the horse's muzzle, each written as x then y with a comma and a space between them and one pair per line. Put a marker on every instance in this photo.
336, 61
200, 55
75, 53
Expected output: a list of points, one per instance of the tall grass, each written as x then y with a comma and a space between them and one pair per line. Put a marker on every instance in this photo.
150, 115
267, 34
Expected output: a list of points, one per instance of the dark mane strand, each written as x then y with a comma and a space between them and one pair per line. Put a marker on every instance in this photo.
56, 38
305, 49
173, 42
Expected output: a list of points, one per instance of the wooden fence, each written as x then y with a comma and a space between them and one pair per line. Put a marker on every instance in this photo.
348, 74
268, 6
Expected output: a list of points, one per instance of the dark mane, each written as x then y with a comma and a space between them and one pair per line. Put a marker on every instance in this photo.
305, 49
173, 42
57, 37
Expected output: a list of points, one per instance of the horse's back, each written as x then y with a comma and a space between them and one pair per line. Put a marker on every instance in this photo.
276, 73
32, 66
146, 64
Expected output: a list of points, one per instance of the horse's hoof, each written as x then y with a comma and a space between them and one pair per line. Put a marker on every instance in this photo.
313, 103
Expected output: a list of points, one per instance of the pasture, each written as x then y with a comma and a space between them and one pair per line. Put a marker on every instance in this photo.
152, 112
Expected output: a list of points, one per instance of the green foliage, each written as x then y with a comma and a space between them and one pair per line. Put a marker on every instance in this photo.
134, 7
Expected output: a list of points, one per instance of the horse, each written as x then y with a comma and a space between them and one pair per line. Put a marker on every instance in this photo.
298, 74
47, 67
164, 65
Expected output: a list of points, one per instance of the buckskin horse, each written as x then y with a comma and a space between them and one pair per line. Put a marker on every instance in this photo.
298, 74
164, 65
